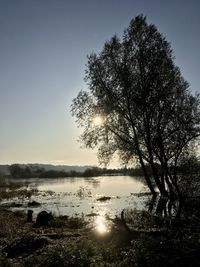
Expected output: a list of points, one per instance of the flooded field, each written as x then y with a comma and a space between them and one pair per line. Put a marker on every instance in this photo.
92, 197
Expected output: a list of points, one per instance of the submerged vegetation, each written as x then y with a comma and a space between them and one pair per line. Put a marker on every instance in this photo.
10, 189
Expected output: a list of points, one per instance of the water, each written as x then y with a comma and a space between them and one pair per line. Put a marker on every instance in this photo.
80, 196
77, 196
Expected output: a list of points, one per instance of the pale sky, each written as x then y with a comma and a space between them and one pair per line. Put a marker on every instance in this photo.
43, 51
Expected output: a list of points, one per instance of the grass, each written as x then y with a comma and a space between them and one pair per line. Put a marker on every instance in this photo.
70, 242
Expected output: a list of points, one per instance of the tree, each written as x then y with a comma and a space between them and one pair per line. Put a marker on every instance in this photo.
15, 170
146, 108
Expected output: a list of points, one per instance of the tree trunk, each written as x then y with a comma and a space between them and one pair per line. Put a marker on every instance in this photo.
162, 206
147, 178
159, 184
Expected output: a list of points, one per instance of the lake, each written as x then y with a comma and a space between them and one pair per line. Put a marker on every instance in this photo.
82, 196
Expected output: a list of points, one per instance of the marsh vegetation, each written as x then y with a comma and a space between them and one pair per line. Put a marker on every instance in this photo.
139, 237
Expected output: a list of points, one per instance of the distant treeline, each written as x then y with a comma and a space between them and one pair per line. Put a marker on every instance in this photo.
34, 171
26, 171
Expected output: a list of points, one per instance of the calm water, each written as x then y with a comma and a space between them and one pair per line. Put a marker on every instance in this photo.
77, 196
74, 196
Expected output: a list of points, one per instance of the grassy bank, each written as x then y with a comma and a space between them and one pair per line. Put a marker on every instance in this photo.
71, 242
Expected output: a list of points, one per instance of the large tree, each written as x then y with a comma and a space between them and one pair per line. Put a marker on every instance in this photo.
144, 107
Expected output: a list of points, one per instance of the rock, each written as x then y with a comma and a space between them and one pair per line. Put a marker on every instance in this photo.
43, 218
103, 198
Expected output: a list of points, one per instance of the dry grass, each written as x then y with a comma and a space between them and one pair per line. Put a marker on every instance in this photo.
12, 224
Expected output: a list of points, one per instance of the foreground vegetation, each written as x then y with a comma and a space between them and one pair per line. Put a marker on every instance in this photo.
137, 238
72, 242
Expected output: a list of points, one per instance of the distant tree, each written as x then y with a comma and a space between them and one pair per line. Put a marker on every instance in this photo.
144, 106
92, 172
16, 170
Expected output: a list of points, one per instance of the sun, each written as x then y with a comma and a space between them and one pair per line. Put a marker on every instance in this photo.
98, 120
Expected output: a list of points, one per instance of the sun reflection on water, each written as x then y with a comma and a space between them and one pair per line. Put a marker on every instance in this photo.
101, 224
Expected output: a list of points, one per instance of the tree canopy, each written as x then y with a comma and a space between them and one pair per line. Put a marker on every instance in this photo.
146, 107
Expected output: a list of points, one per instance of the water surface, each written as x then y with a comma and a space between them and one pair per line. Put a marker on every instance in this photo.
77, 196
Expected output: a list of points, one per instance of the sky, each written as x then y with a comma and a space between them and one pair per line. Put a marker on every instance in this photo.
43, 54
